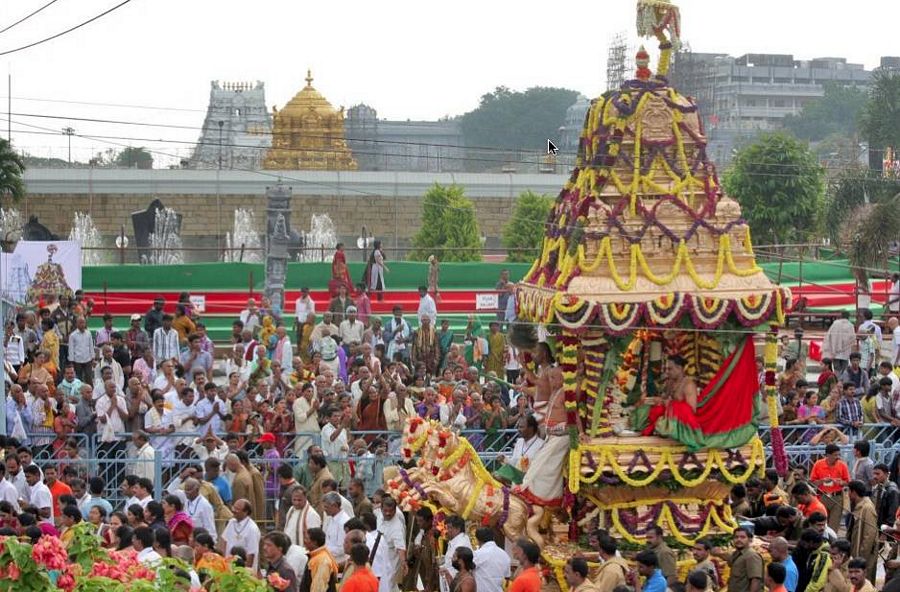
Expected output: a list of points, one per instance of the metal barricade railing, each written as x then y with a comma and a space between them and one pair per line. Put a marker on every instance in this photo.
803, 434
112, 461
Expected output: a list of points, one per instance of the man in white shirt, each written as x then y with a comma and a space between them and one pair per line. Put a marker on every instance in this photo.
304, 306
492, 565
284, 351
81, 350
391, 571
306, 421
427, 306
39, 494
250, 316
301, 516
456, 533
336, 446
329, 485
351, 330
184, 416
893, 300
8, 491
111, 409
242, 531
15, 474
143, 491
142, 542
199, 508
333, 525
107, 361
143, 464
165, 342
210, 411
526, 448
894, 326
158, 421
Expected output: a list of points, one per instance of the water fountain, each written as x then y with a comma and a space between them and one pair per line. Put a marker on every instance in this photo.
320, 241
10, 226
243, 242
85, 232
165, 241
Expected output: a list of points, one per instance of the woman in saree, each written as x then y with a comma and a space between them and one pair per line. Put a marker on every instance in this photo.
178, 521
40, 370
340, 274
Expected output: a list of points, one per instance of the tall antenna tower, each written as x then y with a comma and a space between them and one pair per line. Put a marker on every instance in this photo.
616, 62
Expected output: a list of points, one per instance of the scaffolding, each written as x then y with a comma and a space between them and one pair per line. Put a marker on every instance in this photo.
616, 62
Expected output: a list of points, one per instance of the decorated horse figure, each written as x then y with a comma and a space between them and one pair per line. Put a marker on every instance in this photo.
450, 473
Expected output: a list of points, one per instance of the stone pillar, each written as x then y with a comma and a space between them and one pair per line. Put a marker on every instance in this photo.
278, 221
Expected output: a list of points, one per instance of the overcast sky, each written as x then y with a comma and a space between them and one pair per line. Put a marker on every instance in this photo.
408, 60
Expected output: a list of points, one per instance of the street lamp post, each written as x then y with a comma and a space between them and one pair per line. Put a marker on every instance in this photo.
69, 131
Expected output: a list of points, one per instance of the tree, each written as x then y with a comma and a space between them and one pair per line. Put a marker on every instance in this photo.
873, 237
848, 192
524, 232
880, 120
837, 112
11, 170
780, 187
514, 120
449, 227
863, 217
131, 158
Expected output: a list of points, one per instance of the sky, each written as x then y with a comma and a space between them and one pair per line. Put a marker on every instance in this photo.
408, 60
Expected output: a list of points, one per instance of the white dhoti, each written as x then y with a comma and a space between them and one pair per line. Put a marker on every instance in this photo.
543, 481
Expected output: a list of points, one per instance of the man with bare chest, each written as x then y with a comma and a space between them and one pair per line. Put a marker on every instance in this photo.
543, 481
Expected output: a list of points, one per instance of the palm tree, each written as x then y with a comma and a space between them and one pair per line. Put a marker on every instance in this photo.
873, 237
11, 170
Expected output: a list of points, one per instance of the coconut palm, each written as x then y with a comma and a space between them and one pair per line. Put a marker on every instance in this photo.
11, 170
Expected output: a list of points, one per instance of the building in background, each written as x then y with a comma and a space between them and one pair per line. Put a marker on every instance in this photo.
237, 130
413, 146
308, 134
741, 97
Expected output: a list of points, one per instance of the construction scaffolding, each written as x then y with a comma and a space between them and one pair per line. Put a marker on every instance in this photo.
616, 61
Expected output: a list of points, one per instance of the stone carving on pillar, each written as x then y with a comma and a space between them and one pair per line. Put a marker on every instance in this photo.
278, 238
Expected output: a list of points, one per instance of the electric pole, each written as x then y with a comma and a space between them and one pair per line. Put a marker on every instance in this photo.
69, 131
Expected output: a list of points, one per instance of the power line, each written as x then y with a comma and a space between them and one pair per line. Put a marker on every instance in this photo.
789, 166
28, 16
69, 30
96, 104
279, 176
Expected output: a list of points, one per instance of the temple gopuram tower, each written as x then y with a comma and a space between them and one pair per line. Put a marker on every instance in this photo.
237, 130
308, 134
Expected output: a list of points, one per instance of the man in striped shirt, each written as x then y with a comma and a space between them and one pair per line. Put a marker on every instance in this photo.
850, 414
165, 342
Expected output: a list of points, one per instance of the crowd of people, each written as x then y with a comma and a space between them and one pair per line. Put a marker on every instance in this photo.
270, 449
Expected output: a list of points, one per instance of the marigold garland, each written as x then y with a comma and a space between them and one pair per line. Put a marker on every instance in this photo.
637, 259
669, 459
667, 521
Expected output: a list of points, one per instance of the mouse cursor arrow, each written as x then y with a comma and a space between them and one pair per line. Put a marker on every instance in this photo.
551, 148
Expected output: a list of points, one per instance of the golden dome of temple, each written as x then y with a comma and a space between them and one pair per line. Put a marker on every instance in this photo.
309, 99
308, 134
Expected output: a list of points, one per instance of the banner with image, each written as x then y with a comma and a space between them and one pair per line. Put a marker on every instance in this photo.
37, 269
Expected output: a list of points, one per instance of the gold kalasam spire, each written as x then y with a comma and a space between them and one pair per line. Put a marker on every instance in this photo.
308, 134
